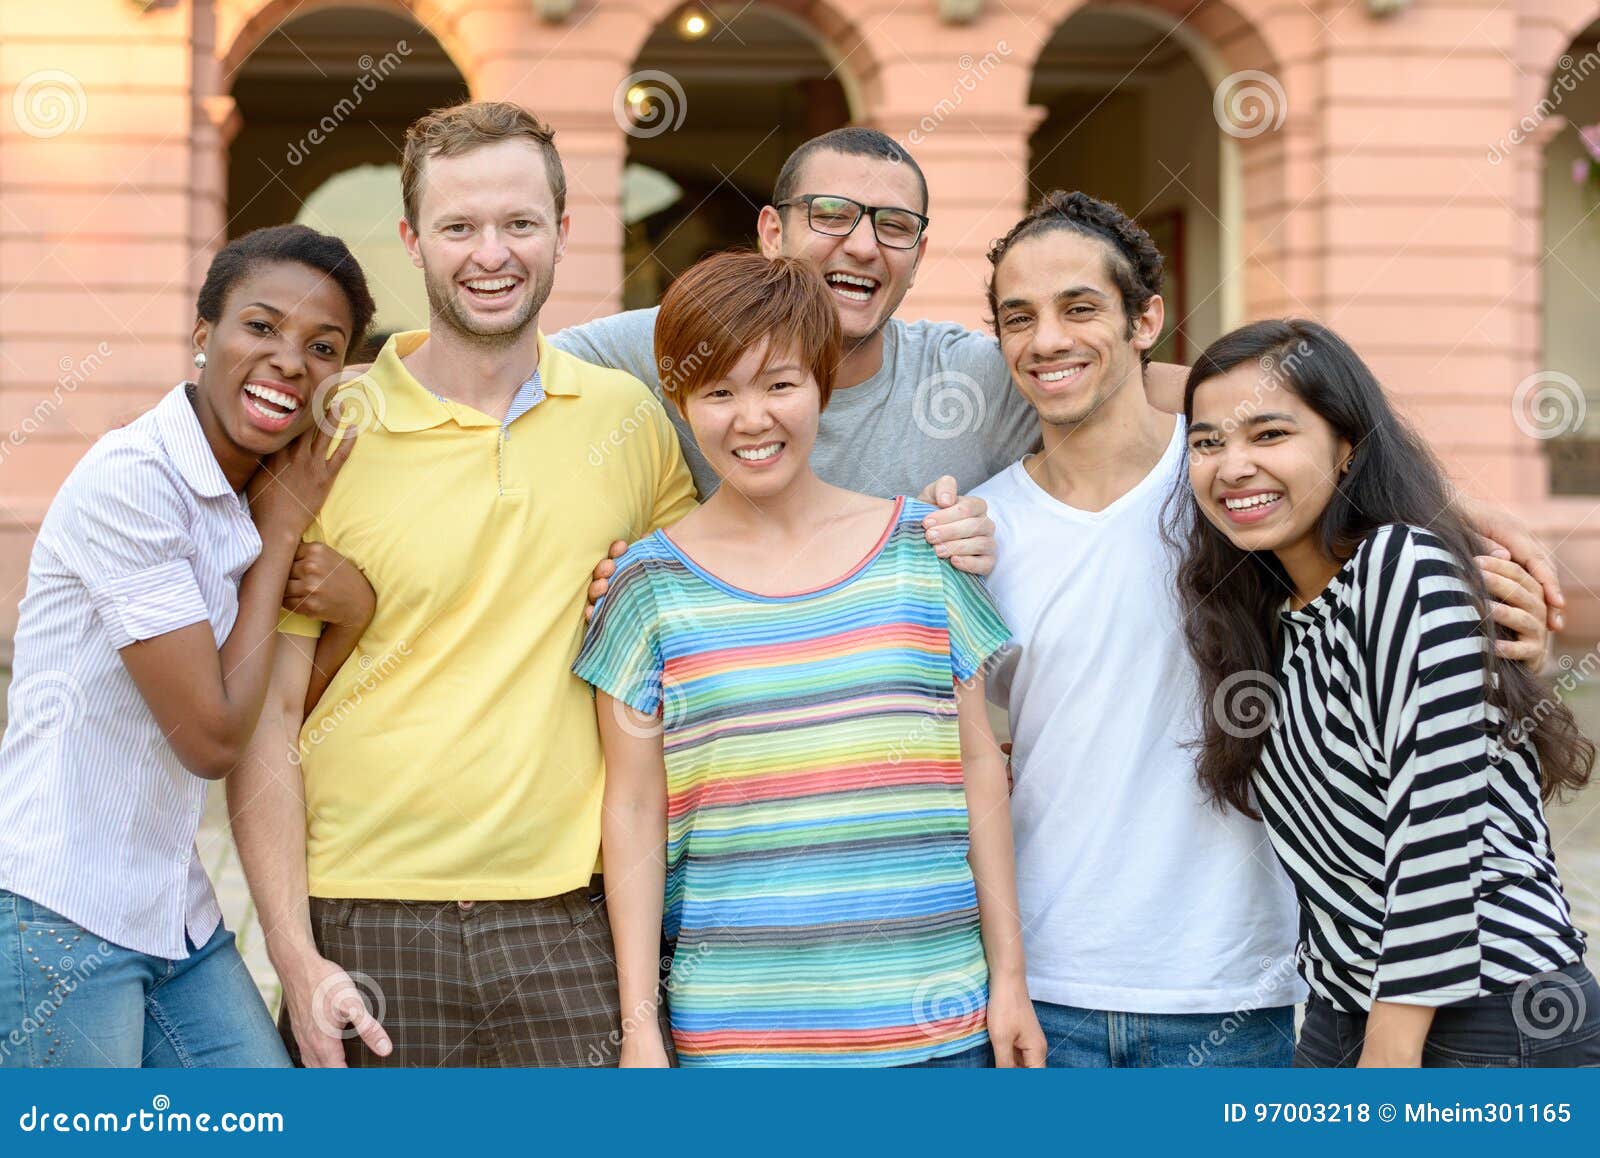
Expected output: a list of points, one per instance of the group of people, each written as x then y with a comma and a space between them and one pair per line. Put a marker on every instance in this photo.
683, 752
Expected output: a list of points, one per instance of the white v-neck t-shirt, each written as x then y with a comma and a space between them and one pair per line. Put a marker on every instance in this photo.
1136, 895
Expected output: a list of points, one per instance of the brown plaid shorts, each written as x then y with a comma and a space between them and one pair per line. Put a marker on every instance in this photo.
479, 983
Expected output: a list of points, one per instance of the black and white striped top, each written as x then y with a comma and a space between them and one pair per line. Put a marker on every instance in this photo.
1414, 837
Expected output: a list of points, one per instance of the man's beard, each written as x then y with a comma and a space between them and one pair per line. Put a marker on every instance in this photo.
444, 303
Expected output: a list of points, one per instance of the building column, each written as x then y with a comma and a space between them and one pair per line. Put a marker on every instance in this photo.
95, 301
976, 164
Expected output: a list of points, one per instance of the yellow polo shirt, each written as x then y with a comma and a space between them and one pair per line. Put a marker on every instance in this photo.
455, 755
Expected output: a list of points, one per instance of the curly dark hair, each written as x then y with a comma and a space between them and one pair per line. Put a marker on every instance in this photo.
1133, 262
278, 243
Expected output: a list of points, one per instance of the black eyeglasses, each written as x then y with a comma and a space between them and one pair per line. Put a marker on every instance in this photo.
838, 216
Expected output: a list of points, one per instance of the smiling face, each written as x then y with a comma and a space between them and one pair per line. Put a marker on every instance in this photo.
868, 281
1262, 463
756, 426
1062, 326
284, 329
487, 239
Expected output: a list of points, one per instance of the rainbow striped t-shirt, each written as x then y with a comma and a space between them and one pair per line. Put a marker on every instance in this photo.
817, 882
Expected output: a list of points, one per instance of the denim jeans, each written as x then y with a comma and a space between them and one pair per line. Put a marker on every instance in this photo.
979, 1057
67, 998
1555, 1021
1109, 1039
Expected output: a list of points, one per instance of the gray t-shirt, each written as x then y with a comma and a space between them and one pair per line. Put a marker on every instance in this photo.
941, 403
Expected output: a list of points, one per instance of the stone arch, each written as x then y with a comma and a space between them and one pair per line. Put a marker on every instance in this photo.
1230, 49
837, 36
241, 28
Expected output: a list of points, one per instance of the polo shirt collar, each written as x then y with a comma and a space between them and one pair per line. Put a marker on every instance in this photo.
185, 443
406, 405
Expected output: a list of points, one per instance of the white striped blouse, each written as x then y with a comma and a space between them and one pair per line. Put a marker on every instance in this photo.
99, 817
1414, 836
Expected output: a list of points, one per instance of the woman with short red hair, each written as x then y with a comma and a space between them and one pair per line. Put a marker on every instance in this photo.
801, 783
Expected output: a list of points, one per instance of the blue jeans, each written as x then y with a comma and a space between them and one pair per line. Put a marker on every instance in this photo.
67, 998
1107, 1039
979, 1057
1551, 1020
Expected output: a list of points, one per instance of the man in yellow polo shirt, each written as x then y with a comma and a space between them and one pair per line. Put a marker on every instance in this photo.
435, 852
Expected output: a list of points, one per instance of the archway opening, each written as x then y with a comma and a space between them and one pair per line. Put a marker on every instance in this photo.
1562, 404
1129, 120
719, 96
325, 100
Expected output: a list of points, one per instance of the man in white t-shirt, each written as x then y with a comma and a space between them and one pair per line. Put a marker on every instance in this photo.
1159, 931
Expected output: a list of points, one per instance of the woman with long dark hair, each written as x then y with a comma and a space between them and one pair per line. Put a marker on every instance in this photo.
1353, 693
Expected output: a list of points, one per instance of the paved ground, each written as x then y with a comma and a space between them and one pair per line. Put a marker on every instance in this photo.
1575, 826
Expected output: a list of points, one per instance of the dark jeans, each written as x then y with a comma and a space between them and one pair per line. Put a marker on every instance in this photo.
1099, 1038
979, 1057
1551, 1020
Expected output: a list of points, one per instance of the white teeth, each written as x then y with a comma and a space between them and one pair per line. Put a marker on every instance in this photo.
491, 285
759, 454
839, 281
277, 398
1060, 375
1253, 501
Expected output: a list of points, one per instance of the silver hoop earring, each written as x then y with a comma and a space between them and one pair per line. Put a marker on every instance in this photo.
200, 360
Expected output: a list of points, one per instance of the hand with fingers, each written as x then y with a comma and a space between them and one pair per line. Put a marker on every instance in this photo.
1014, 1031
960, 530
289, 489
600, 582
1507, 537
643, 1049
326, 1009
1517, 605
324, 585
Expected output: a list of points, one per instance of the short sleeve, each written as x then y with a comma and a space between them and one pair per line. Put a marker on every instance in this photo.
977, 630
123, 528
624, 341
1010, 424
621, 652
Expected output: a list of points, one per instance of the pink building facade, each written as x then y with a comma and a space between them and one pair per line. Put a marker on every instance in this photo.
1407, 173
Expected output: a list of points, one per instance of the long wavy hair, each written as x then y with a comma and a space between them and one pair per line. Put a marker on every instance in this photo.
1231, 597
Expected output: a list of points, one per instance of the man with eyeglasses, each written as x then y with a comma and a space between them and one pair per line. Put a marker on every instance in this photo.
918, 407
